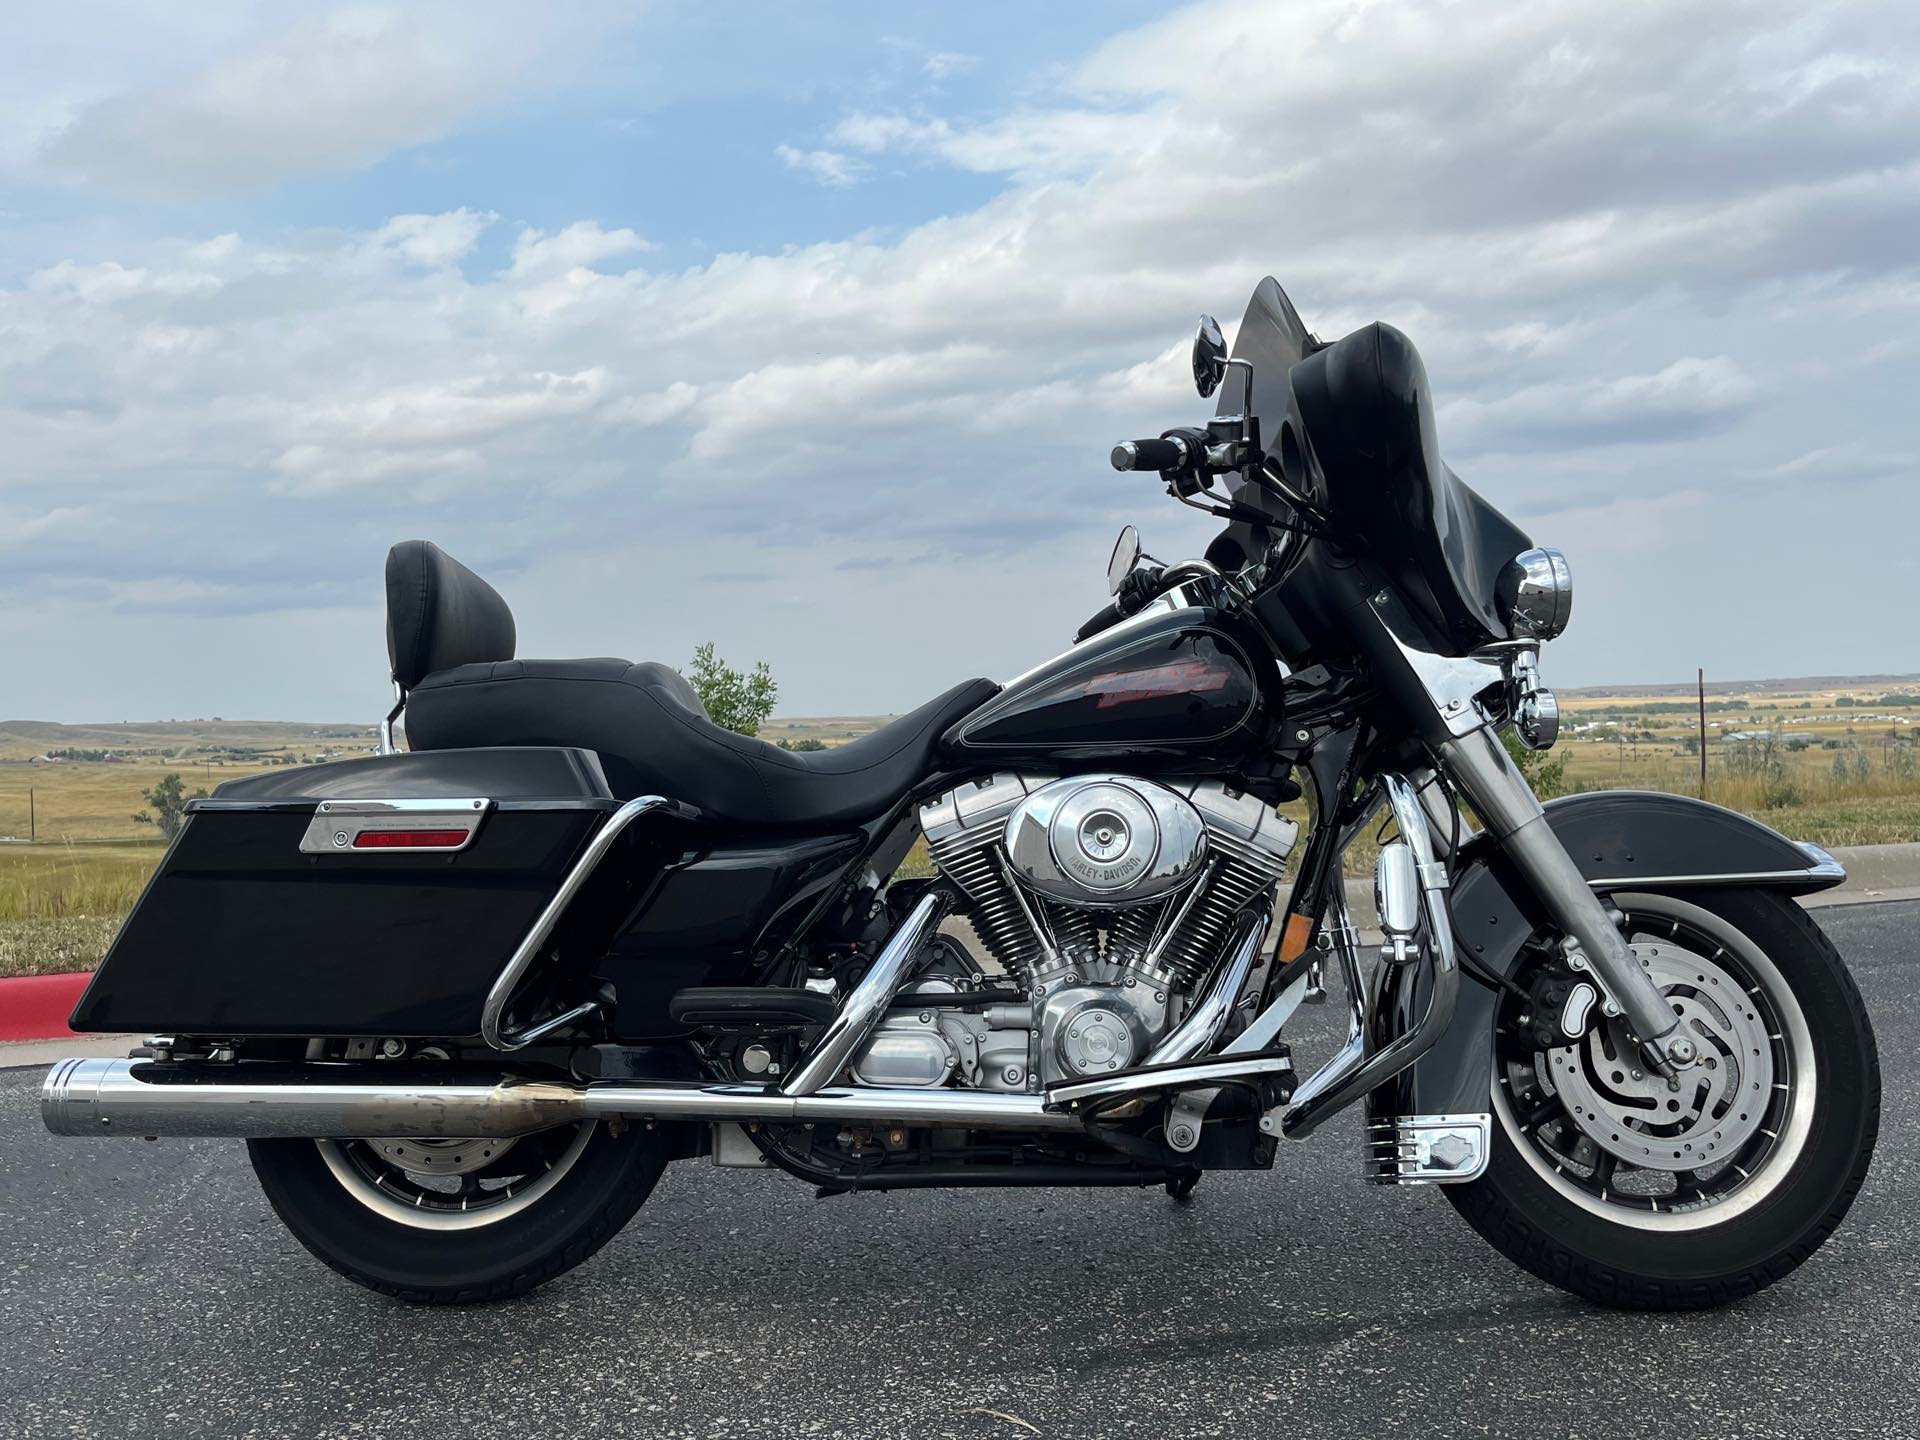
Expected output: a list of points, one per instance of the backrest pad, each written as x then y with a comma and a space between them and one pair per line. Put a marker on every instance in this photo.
440, 614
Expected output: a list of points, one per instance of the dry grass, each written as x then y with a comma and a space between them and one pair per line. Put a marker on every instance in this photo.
82, 800
54, 947
1803, 799
58, 882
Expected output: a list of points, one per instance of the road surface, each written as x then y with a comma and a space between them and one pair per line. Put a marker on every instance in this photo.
145, 1289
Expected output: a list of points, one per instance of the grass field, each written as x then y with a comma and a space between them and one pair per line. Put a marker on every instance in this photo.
1835, 762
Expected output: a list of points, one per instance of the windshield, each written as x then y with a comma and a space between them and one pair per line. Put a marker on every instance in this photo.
1273, 339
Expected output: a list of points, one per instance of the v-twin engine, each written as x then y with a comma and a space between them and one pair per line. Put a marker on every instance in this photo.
1107, 898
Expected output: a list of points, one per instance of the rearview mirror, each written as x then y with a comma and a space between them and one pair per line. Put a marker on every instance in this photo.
1209, 356
1126, 555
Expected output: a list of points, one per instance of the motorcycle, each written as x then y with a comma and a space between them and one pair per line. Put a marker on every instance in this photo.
466, 1000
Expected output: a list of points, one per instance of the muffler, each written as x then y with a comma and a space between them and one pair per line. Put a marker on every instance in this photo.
139, 1097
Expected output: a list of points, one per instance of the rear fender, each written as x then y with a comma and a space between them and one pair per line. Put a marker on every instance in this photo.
1621, 840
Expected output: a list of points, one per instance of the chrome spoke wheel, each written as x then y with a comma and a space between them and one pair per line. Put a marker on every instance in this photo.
1675, 1154
454, 1184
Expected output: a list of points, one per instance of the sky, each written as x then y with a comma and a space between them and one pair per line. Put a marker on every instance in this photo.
807, 329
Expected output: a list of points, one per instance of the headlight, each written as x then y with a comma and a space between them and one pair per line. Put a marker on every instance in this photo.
1536, 594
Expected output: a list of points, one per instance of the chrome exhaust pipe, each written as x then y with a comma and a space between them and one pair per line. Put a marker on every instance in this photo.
137, 1097
1195, 1035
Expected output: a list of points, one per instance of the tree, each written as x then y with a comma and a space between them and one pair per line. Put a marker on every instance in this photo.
169, 801
734, 699
802, 746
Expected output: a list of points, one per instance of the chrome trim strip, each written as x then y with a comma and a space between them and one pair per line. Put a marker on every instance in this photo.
867, 1005
1825, 868
109, 1097
410, 807
522, 957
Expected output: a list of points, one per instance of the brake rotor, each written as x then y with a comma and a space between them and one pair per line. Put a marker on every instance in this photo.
1709, 1110
442, 1157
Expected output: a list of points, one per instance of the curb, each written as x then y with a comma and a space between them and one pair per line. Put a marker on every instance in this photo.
36, 1007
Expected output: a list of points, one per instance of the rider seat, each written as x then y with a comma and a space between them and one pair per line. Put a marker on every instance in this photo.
451, 640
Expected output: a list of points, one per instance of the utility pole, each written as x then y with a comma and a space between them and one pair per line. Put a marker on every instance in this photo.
1701, 675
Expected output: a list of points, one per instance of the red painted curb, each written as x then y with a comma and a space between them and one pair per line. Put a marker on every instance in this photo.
35, 1007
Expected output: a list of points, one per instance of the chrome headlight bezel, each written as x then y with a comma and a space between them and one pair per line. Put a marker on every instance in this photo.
1536, 594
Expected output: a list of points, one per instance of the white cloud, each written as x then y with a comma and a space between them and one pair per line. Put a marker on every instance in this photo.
942, 64
1031, 144
329, 91
1690, 397
1601, 224
580, 246
829, 167
432, 239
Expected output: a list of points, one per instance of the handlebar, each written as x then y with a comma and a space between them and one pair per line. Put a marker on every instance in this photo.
1161, 454
1101, 619
1135, 591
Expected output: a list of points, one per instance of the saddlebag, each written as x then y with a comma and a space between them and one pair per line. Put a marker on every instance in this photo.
371, 897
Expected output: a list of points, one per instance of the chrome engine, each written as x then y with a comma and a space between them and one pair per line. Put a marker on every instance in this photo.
1107, 899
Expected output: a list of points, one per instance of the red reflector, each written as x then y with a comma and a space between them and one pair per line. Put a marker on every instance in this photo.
409, 839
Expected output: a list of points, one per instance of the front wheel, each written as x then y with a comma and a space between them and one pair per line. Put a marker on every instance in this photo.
1644, 1193
456, 1221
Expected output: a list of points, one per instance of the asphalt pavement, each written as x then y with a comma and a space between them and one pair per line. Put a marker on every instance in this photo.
145, 1289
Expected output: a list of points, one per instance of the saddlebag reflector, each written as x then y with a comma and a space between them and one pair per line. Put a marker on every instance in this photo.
372, 897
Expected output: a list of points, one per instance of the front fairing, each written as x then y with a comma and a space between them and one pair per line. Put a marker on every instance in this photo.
1351, 425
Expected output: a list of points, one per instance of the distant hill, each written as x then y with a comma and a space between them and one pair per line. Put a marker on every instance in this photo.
1806, 685
178, 739
182, 739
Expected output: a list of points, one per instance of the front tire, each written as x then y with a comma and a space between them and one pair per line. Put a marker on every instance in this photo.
1753, 1213
456, 1222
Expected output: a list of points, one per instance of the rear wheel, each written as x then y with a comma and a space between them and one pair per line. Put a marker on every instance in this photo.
1634, 1191
459, 1220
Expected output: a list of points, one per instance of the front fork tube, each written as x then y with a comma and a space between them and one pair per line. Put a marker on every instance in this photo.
1480, 766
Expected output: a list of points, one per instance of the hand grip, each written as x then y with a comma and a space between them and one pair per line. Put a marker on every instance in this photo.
1111, 615
1149, 455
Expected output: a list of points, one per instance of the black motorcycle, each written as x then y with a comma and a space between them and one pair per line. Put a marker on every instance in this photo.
465, 1001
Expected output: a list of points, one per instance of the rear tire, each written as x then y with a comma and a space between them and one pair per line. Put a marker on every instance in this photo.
1532, 1214
347, 1223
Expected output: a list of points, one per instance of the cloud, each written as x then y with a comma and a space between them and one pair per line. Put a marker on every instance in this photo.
331, 91
1606, 227
581, 245
943, 64
1030, 144
1691, 397
829, 167
431, 239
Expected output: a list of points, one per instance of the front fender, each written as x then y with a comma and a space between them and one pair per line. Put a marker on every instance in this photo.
1621, 840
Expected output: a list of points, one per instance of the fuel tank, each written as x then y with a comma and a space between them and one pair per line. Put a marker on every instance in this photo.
1168, 691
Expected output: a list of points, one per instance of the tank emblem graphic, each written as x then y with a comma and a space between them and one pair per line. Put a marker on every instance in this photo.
1122, 687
